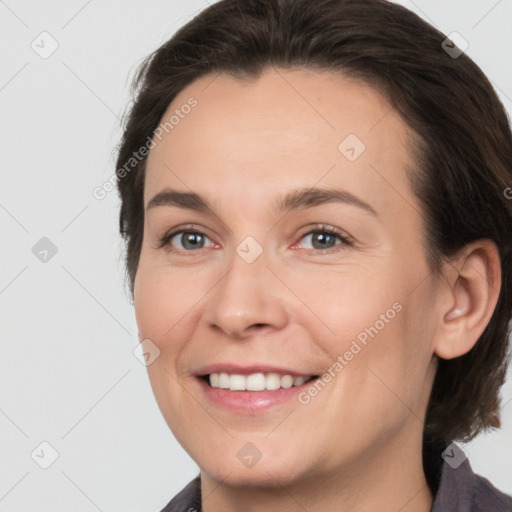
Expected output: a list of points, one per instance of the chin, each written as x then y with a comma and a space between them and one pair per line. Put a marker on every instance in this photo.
262, 476
229, 468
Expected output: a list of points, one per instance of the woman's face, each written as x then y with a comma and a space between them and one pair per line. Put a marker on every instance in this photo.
263, 288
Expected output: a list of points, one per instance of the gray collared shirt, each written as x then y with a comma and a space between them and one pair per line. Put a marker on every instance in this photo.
454, 489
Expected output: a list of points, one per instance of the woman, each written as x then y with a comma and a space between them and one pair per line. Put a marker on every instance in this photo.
314, 201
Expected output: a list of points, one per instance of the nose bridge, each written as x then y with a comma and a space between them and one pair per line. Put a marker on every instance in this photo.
245, 296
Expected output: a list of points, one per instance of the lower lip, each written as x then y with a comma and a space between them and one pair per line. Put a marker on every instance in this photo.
250, 401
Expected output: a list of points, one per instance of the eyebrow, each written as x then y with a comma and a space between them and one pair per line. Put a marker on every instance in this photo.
295, 200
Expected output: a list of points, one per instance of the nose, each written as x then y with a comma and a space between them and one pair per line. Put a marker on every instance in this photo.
246, 300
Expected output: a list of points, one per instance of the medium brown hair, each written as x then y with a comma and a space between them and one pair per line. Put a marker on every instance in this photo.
463, 156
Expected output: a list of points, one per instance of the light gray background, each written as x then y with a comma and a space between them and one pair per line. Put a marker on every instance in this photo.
68, 375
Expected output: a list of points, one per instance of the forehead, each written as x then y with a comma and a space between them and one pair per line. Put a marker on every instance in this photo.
286, 129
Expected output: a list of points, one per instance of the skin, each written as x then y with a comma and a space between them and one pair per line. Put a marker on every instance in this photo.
357, 444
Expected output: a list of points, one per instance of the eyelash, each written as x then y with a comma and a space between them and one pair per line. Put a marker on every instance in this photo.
346, 240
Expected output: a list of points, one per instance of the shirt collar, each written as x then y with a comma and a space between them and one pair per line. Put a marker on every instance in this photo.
449, 476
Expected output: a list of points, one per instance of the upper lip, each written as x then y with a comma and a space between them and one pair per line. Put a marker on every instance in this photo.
247, 369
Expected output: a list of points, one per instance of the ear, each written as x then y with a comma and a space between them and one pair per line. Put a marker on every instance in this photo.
473, 282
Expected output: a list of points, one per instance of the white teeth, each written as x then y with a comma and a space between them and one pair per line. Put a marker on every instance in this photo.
286, 381
214, 380
272, 381
255, 381
223, 380
298, 381
237, 383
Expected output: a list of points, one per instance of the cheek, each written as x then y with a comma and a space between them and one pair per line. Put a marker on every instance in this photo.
164, 306
378, 329
347, 303
382, 383
165, 301
394, 362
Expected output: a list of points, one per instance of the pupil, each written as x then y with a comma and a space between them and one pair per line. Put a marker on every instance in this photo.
323, 239
191, 240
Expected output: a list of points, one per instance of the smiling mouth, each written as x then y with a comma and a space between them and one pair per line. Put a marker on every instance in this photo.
255, 382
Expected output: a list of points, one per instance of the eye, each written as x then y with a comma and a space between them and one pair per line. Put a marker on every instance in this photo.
323, 238
185, 240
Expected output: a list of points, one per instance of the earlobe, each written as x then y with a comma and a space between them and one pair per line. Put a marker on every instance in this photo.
474, 281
